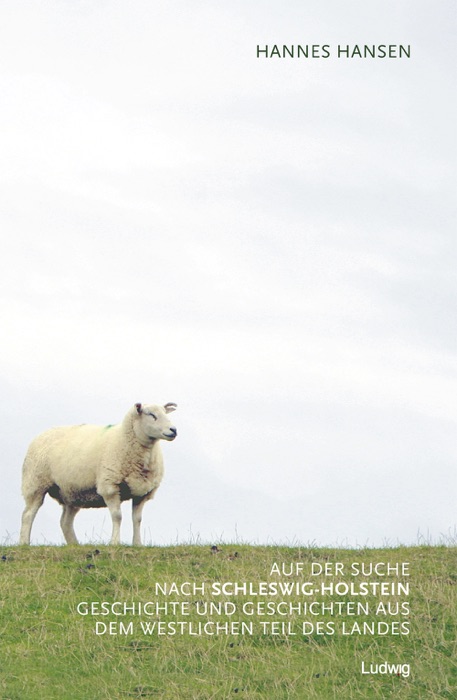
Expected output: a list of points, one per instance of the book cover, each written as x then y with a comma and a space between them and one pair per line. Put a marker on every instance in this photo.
231, 223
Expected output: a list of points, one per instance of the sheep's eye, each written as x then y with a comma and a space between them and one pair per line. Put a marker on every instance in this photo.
153, 415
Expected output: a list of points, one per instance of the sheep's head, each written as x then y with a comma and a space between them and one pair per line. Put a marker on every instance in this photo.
152, 422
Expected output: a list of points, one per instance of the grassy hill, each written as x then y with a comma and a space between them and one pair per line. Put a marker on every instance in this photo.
216, 640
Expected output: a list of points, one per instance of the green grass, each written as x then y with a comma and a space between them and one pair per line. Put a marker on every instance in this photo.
49, 651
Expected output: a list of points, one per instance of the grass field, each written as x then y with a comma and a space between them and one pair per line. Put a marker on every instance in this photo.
51, 651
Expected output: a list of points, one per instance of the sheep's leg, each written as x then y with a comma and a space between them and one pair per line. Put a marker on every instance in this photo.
32, 505
137, 514
66, 523
113, 502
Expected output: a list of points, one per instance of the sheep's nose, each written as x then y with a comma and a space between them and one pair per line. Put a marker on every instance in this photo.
173, 431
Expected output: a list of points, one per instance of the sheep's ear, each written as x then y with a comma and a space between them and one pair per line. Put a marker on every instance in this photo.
139, 408
169, 407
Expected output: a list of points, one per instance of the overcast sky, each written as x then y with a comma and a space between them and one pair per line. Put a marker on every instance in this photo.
269, 243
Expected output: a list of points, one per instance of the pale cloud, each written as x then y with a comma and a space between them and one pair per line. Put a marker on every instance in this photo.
265, 243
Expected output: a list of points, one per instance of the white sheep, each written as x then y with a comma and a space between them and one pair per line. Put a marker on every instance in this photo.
92, 466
